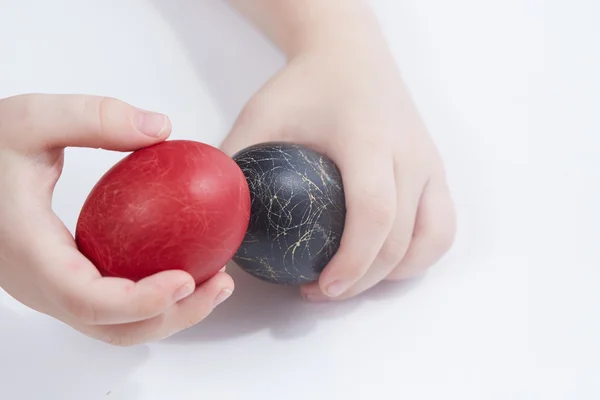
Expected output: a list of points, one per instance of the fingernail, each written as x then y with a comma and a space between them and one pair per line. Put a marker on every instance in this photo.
222, 296
184, 291
151, 124
315, 297
337, 288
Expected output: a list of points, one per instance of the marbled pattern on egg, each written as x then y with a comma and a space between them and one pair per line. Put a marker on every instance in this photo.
297, 212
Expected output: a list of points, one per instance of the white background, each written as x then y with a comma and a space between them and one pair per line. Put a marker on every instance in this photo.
510, 90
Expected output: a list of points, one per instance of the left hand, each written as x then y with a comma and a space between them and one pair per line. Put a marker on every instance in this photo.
40, 262
353, 106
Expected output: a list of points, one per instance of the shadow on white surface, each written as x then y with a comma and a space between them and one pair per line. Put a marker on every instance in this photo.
232, 58
50, 358
256, 306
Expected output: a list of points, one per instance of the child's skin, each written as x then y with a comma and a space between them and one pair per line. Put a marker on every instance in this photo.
339, 93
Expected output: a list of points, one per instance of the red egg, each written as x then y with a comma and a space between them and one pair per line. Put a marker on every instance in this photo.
175, 205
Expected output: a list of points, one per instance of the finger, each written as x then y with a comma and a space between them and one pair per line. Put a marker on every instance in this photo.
395, 246
42, 121
181, 316
370, 192
435, 231
87, 298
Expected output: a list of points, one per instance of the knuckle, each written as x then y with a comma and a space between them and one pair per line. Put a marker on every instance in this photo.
378, 210
191, 322
187, 324
79, 309
20, 111
398, 274
150, 305
201, 313
351, 268
22, 108
96, 109
443, 239
195, 318
394, 249
22, 104
101, 111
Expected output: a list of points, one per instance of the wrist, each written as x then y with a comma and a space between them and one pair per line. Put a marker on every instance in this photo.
335, 26
299, 26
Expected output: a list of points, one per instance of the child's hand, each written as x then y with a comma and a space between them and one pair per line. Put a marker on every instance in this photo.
39, 262
351, 104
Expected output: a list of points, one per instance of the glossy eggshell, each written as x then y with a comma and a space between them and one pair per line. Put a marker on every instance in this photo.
297, 213
175, 205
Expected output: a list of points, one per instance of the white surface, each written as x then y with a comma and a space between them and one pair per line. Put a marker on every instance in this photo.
511, 92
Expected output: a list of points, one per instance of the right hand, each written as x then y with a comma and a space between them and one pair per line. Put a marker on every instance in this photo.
40, 265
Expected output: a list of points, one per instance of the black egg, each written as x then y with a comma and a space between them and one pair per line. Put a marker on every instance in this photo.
297, 212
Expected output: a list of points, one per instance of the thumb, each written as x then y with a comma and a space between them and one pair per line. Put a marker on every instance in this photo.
42, 121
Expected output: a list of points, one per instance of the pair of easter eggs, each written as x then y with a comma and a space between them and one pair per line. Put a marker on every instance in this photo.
276, 209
